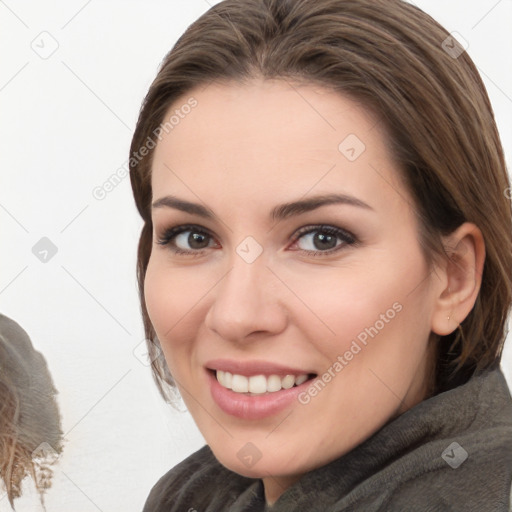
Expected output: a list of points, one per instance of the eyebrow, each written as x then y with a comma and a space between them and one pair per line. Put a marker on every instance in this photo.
306, 205
184, 206
280, 212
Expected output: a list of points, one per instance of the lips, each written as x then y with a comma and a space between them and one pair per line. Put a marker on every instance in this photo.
253, 390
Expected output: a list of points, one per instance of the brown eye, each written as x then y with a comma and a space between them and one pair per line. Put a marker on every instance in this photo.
323, 239
187, 239
196, 240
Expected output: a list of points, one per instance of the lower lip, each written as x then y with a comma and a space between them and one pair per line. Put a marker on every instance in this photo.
254, 407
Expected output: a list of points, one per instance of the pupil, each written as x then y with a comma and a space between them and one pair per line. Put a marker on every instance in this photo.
324, 241
197, 241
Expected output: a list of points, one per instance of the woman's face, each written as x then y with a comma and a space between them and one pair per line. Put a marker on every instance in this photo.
285, 244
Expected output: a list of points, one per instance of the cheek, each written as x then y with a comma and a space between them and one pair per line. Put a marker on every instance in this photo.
174, 303
377, 300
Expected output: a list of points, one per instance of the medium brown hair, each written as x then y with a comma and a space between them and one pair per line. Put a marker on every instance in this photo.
394, 59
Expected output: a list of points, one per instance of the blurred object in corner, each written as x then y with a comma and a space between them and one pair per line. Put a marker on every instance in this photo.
30, 425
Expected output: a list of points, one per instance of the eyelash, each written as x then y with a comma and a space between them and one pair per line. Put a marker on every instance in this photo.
169, 235
347, 239
345, 236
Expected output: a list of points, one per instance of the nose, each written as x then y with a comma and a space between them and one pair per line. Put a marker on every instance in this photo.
246, 303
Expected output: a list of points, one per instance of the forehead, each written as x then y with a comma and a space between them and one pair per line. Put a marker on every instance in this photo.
270, 135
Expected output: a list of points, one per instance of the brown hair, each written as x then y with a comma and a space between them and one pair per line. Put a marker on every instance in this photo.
393, 58
30, 431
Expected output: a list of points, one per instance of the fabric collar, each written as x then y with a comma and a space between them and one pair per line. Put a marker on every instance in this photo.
451, 450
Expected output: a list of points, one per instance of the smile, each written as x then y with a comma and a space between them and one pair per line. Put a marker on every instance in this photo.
258, 384
254, 390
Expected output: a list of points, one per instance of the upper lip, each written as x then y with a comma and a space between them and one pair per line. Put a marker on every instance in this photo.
256, 367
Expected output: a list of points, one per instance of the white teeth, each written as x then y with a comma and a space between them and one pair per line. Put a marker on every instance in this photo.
273, 383
240, 384
300, 379
225, 378
258, 384
288, 382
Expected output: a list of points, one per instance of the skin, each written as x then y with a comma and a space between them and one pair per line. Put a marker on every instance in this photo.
245, 149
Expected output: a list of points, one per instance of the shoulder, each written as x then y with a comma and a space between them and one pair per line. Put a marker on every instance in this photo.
196, 483
475, 459
466, 460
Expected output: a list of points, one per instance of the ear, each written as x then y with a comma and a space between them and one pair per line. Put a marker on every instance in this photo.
460, 278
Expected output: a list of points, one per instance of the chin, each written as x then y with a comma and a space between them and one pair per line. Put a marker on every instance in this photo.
276, 465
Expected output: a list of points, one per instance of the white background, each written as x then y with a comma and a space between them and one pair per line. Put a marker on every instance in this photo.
66, 124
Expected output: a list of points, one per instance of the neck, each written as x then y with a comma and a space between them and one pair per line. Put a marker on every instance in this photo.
275, 486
